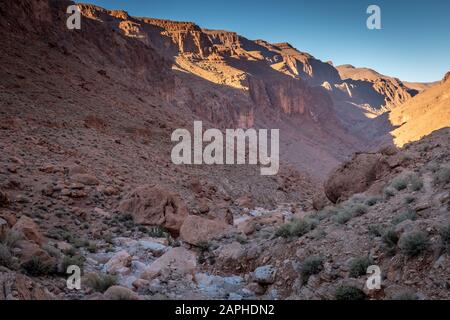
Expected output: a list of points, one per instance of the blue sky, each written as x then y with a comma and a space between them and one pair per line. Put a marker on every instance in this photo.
413, 45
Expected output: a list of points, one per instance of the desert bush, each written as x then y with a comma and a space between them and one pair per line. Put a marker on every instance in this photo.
399, 183
441, 177
390, 240
405, 296
408, 214
349, 293
409, 199
372, 201
296, 228
92, 247
7, 260
445, 238
204, 246
358, 266
389, 192
157, 232
349, 210
326, 213
311, 266
52, 251
36, 267
11, 238
75, 260
415, 182
414, 243
100, 282
375, 230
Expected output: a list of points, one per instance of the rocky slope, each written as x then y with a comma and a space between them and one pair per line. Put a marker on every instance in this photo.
422, 115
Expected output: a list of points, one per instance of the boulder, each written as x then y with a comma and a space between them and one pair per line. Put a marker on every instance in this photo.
86, 179
15, 286
265, 275
29, 229
196, 229
118, 263
153, 205
177, 261
355, 176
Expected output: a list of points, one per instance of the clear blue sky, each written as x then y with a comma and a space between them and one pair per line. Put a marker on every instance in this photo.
414, 44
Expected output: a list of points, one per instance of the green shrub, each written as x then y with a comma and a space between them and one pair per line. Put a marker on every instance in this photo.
36, 267
296, 228
375, 230
204, 246
415, 182
311, 266
75, 260
358, 266
409, 199
52, 251
11, 238
408, 214
92, 247
389, 192
414, 243
441, 177
390, 240
100, 282
405, 296
372, 201
350, 210
349, 293
157, 232
7, 260
399, 183
445, 238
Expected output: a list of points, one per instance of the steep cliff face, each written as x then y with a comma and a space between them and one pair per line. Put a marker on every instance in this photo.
378, 91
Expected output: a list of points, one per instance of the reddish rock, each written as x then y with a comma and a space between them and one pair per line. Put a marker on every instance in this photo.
197, 229
29, 229
14, 286
153, 205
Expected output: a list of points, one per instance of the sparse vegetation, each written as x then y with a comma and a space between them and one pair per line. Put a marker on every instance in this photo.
157, 232
204, 246
36, 267
372, 201
6, 258
100, 282
445, 238
390, 240
74, 260
296, 228
375, 230
415, 182
389, 192
350, 210
399, 183
408, 214
349, 293
441, 177
414, 243
311, 266
358, 266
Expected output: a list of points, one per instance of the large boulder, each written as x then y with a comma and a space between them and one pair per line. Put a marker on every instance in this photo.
120, 293
196, 229
29, 229
355, 176
119, 263
153, 205
15, 286
176, 262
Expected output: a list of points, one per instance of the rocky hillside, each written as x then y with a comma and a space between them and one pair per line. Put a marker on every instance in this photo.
422, 115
